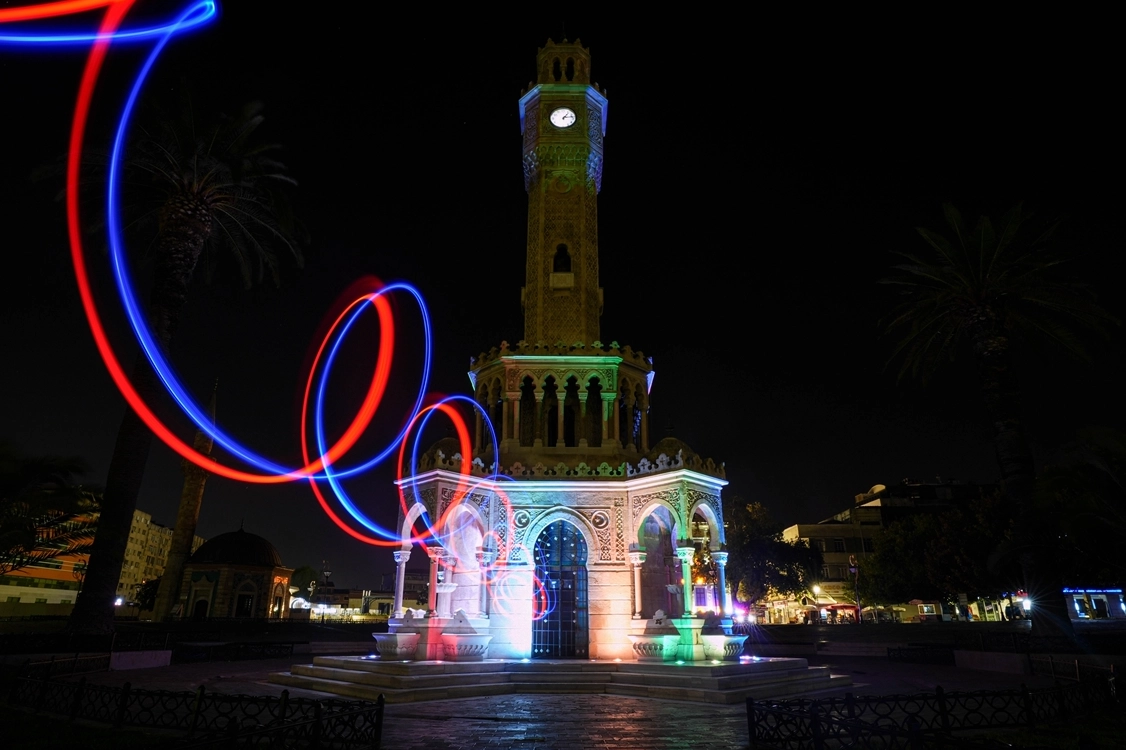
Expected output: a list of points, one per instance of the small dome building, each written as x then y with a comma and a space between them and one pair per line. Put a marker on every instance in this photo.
237, 574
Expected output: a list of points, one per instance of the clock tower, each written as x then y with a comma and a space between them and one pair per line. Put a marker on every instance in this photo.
563, 121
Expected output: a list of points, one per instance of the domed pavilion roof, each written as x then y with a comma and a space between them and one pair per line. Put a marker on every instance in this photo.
238, 548
670, 446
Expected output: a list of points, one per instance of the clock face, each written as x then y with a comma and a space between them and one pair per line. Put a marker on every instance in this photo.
563, 118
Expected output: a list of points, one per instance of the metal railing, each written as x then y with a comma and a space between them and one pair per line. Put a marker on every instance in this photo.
55, 666
207, 718
910, 721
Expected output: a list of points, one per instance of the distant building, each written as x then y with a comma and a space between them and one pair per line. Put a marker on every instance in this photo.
237, 575
849, 536
58, 581
146, 553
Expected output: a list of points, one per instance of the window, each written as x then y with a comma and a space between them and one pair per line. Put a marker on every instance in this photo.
819, 544
13, 600
838, 545
869, 545
926, 609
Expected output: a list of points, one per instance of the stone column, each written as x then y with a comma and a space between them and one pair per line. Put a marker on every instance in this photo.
401, 557
485, 558
686, 555
636, 559
615, 420
644, 406
515, 433
560, 440
479, 426
721, 573
607, 409
435, 554
537, 434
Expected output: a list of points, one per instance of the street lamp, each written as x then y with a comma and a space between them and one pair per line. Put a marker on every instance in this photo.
854, 568
324, 604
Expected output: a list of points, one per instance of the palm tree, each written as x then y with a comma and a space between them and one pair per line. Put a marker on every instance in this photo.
43, 514
985, 289
196, 192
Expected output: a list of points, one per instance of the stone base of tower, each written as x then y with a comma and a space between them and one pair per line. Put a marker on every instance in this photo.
610, 613
511, 612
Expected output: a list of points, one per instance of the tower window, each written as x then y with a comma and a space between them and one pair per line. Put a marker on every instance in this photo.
562, 262
557, 70
570, 68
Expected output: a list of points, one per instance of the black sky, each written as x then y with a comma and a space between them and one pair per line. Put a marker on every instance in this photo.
756, 182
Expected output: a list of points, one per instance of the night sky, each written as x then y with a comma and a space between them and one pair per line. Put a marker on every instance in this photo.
756, 184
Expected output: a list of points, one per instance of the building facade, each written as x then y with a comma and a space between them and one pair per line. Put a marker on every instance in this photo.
58, 581
559, 523
234, 575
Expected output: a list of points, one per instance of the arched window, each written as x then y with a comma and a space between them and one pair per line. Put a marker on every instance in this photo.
594, 413
562, 261
527, 412
571, 411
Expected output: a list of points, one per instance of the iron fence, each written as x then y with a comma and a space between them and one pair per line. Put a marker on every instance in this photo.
55, 666
1027, 643
207, 717
69, 643
914, 721
362, 727
1068, 669
189, 652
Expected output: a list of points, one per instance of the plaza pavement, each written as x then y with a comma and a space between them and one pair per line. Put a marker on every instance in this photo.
565, 722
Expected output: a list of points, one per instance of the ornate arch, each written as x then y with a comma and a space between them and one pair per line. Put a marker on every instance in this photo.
411, 516
529, 534
702, 502
643, 505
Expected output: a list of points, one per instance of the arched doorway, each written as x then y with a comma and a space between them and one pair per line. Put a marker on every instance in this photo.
561, 630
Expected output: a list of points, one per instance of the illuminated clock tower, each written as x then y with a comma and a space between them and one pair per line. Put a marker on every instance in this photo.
563, 120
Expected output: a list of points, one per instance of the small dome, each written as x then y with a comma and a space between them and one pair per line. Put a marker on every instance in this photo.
447, 446
237, 548
670, 446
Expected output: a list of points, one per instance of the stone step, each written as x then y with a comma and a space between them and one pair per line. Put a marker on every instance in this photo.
372, 692
423, 681
398, 682
559, 678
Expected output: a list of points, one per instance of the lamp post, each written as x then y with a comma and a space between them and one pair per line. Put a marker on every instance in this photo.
324, 604
854, 568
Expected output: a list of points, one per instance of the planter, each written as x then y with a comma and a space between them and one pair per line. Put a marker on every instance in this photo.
465, 647
396, 646
655, 647
723, 647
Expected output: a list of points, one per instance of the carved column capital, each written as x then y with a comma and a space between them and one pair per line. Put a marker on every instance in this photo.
402, 556
637, 559
720, 558
686, 554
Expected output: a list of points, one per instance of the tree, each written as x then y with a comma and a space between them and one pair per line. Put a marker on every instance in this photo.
43, 514
195, 192
759, 561
302, 577
988, 289
1086, 493
146, 595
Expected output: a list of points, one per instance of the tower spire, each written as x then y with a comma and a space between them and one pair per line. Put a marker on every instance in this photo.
563, 119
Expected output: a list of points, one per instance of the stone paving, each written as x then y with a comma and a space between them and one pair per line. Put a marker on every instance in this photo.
571, 722
563, 722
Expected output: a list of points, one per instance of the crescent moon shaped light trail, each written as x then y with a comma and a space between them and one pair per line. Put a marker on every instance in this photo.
320, 465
